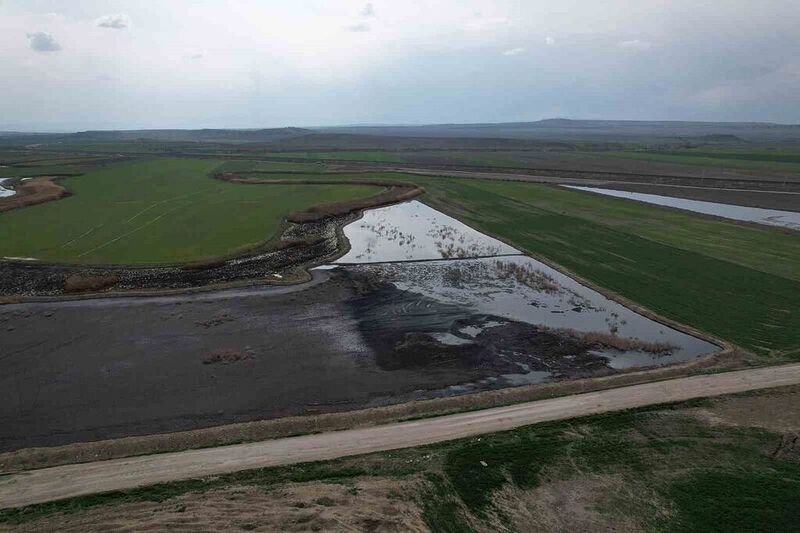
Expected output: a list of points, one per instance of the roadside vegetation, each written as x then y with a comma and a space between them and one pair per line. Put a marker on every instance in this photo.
705, 465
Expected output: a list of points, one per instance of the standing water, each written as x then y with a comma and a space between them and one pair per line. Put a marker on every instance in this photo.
412, 231
4, 191
771, 217
463, 288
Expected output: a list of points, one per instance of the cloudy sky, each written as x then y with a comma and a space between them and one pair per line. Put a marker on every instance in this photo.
92, 64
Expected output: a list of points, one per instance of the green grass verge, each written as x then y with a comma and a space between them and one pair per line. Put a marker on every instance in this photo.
158, 211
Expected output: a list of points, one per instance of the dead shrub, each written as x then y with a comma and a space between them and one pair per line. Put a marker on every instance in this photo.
610, 340
32, 192
88, 283
227, 356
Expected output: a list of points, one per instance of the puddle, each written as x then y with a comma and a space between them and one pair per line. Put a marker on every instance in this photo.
771, 217
412, 231
521, 289
4, 191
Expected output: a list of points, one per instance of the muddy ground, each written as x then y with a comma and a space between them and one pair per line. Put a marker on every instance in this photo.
117, 367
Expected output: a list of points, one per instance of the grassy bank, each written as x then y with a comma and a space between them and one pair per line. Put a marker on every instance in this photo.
619, 471
156, 212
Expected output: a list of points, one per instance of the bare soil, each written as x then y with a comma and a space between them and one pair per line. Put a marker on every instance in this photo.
32, 192
574, 504
340, 346
777, 410
367, 504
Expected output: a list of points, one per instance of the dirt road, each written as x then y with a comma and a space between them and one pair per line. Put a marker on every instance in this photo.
74, 480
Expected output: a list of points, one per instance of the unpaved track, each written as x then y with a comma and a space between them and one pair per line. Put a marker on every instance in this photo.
56, 483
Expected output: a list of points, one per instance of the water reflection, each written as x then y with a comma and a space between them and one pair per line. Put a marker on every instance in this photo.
4, 191
771, 217
521, 289
412, 231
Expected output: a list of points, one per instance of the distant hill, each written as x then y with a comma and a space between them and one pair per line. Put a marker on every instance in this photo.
352, 141
508, 135
204, 135
593, 130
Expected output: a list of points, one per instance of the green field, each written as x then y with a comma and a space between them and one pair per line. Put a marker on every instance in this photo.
159, 211
366, 155
271, 166
784, 163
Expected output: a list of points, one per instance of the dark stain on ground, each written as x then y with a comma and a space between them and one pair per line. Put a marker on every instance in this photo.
399, 326
108, 369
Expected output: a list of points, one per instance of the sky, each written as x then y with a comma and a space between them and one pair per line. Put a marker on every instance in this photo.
118, 64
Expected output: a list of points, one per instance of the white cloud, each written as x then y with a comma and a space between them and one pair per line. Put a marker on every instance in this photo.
358, 28
481, 23
635, 44
193, 57
514, 52
41, 41
549, 41
368, 10
115, 22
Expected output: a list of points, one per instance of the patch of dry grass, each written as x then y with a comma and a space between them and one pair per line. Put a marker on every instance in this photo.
78, 282
32, 192
610, 340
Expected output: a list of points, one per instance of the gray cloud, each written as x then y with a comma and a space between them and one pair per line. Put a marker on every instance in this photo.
514, 52
115, 22
635, 44
357, 28
368, 10
613, 59
42, 41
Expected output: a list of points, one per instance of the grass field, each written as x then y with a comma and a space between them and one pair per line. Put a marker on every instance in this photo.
366, 155
157, 211
271, 166
705, 465
784, 163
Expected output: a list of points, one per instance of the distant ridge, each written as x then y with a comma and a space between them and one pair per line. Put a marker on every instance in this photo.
594, 130
503, 134
202, 135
